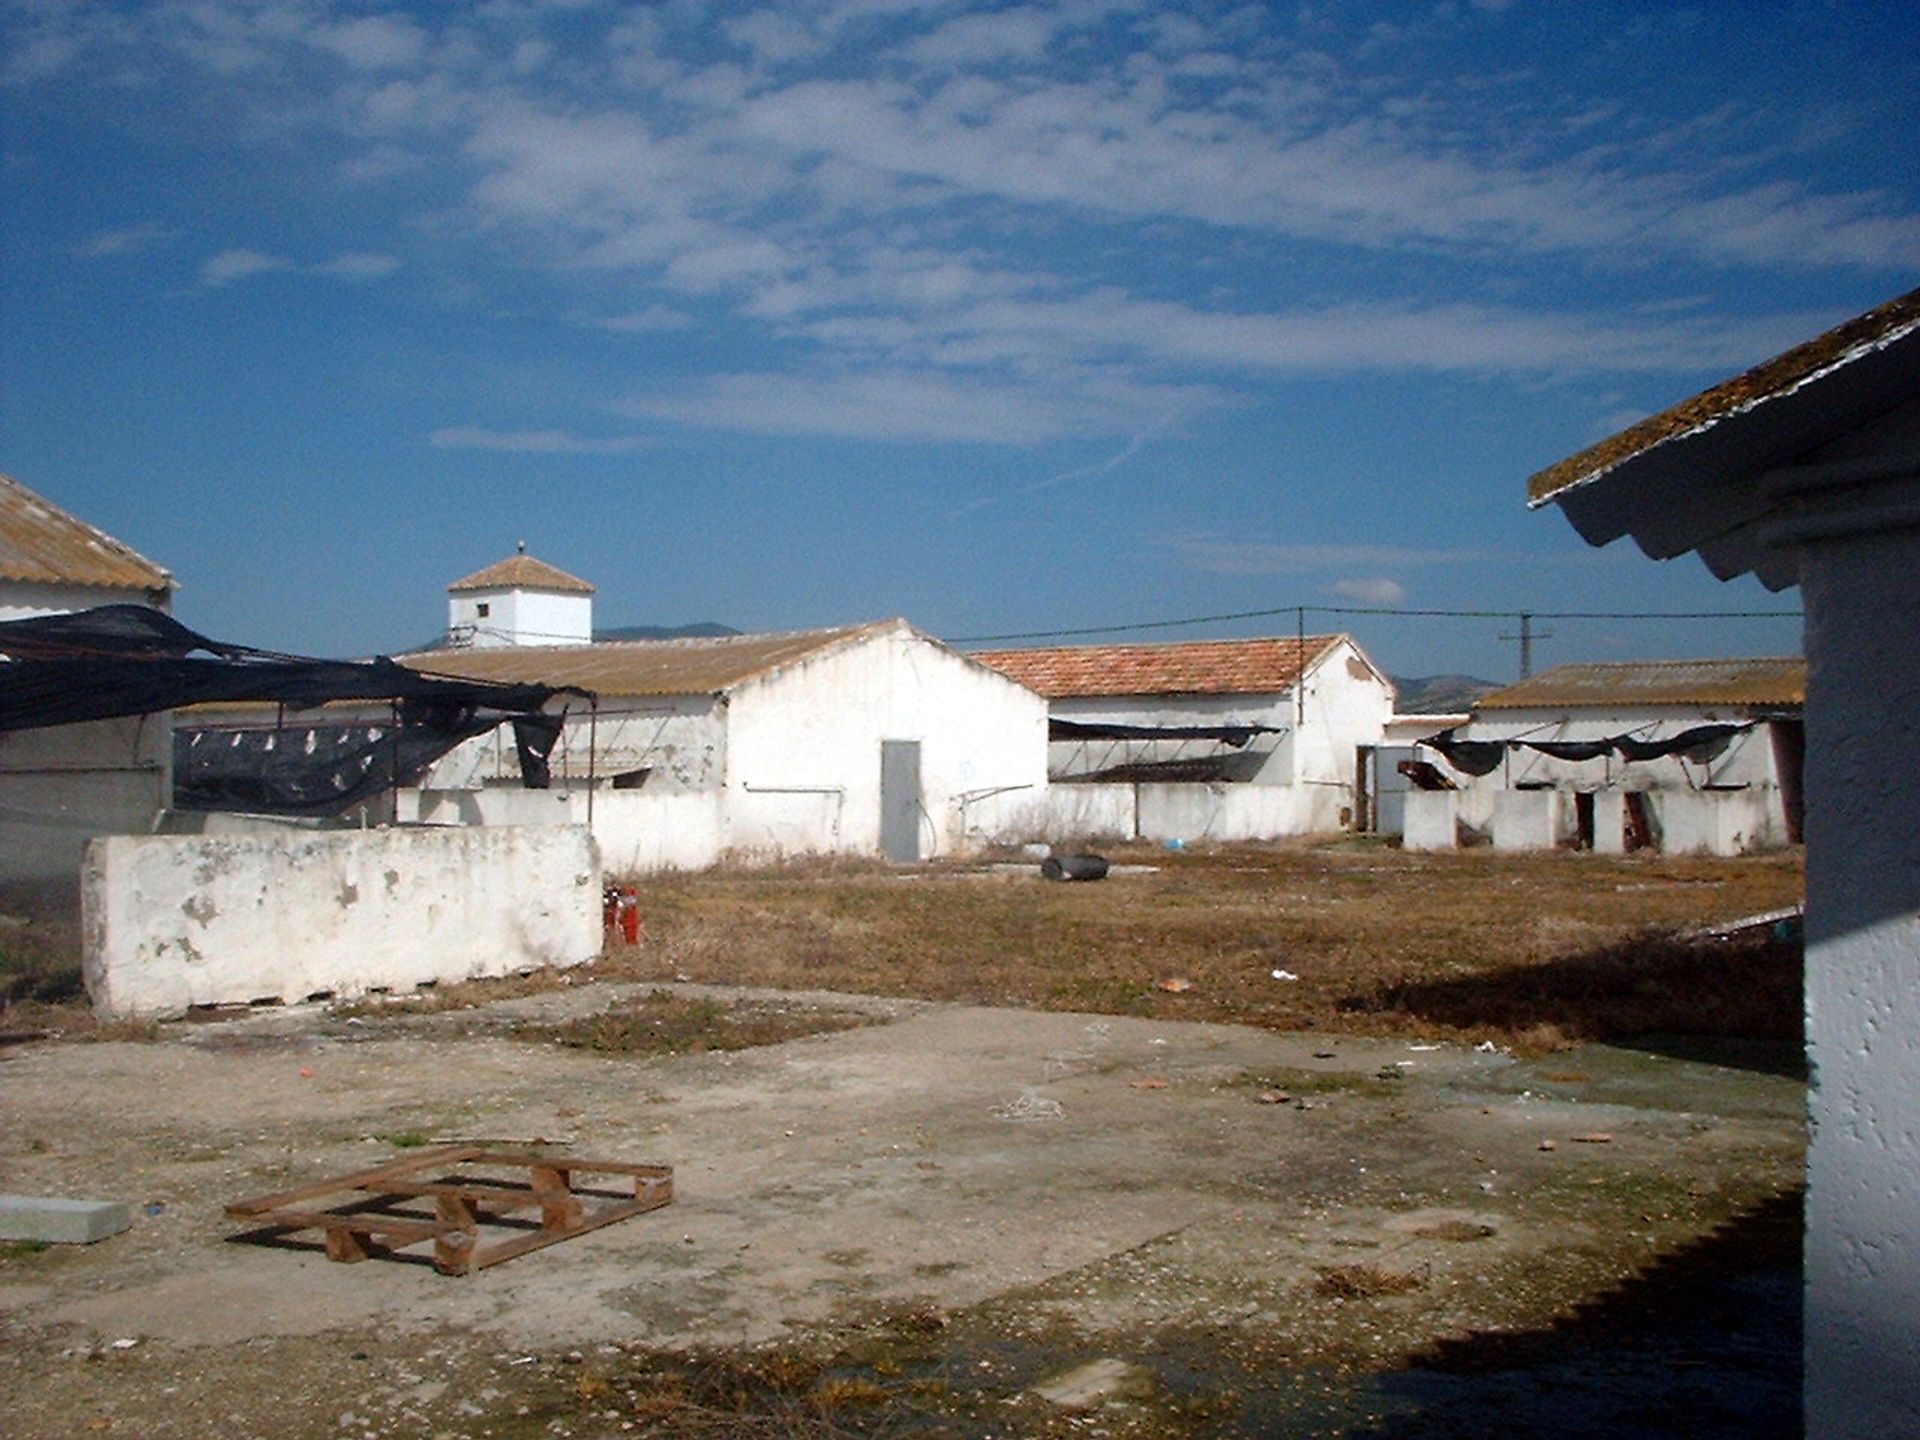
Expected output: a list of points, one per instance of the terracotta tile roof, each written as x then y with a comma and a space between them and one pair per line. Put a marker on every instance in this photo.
705, 666
522, 572
1767, 682
1202, 667
43, 544
1780, 376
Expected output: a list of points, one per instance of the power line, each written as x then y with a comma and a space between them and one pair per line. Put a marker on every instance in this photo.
1300, 611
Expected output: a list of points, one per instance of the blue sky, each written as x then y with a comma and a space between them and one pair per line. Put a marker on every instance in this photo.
1002, 318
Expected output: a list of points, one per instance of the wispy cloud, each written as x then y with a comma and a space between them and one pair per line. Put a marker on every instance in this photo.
1370, 590
128, 240
231, 265
534, 442
1252, 557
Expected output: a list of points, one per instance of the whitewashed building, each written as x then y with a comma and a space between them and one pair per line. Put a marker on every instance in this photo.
62, 785
519, 601
1682, 756
1212, 739
1806, 471
863, 740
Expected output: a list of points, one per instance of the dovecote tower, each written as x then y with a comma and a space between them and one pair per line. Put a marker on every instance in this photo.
519, 601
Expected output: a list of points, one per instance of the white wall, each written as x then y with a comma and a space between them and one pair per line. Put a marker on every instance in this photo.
680, 739
63, 785
803, 744
1742, 812
520, 617
1266, 760
21, 600
1863, 974
170, 922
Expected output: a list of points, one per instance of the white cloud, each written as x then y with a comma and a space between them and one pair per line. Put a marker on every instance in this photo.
902, 405
650, 319
1373, 590
358, 265
533, 442
372, 42
1245, 557
230, 265
129, 240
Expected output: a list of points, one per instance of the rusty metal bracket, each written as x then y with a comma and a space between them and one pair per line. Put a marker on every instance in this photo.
468, 1187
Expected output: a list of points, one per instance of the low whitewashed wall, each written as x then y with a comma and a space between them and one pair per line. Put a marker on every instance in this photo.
1056, 814
1526, 819
174, 921
1063, 813
1718, 822
1431, 820
63, 785
638, 831
1229, 812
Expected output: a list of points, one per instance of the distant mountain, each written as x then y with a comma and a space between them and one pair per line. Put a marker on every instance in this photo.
699, 630
1439, 694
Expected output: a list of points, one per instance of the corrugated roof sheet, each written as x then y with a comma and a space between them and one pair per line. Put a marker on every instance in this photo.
1764, 682
703, 666
43, 544
1838, 347
521, 572
1202, 667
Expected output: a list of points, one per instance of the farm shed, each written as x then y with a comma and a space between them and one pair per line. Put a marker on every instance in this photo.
1232, 739
865, 740
1806, 470
1675, 755
62, 785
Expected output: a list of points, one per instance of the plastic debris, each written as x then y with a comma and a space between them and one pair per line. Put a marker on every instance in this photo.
1174, 985
1285, 975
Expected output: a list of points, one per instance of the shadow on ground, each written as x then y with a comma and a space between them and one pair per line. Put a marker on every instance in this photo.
1704, 1344
1735, 1001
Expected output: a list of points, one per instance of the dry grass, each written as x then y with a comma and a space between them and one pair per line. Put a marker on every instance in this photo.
1365, 1282
1530, 950
668, 1024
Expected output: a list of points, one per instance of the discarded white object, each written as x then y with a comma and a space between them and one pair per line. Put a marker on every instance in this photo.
1285, 975
1031, 1105
1487, 1047
1423, 1047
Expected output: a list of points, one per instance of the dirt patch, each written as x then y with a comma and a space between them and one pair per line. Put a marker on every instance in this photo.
898, 1228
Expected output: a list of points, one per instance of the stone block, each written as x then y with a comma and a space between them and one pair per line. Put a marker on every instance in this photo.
61, 1222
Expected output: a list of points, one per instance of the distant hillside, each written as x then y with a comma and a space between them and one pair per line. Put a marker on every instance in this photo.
1439, 694
699, 630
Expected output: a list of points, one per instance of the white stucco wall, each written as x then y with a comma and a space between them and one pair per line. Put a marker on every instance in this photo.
1732, 805
1344, 703
803, 745
1055, 815
63, 785
681, 740
1266, 759
520, 617
1526, 819
1430, 820
170, 922
21, 600
1863, 977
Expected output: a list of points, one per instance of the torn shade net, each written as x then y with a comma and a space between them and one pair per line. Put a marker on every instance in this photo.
124, 660
1702, 744
1234, 735
534, 736
312, 770
1469, 757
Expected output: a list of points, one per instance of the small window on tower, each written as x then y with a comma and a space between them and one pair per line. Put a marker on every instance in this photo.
482, 609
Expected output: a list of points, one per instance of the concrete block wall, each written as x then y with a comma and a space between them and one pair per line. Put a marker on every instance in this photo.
170, 922
1430, 820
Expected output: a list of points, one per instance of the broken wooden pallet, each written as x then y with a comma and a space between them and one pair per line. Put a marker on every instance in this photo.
383, 1209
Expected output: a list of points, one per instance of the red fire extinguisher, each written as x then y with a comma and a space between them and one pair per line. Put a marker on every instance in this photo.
621, 912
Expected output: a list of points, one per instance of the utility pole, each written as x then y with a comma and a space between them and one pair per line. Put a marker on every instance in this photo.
1526, 637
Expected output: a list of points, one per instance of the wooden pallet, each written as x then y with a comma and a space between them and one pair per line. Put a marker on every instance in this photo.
383, 1209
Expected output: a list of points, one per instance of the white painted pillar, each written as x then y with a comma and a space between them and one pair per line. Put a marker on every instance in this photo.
1863, 986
